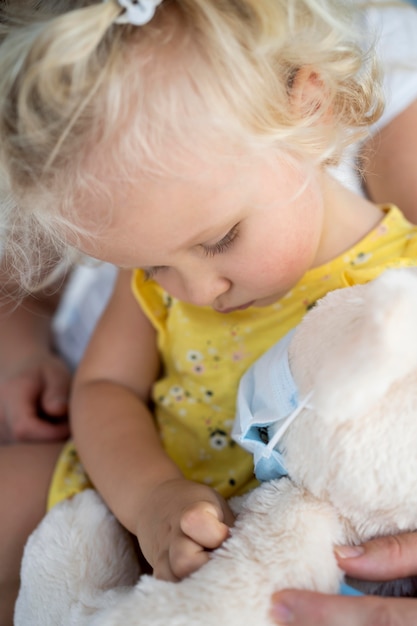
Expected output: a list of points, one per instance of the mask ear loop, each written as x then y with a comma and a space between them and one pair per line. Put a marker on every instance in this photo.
304, 403
137, 12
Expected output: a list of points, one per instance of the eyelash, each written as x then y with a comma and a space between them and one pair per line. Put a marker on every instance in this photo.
150, 272
223, 244
217, 248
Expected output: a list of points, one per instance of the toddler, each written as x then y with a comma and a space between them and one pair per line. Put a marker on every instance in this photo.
186, 142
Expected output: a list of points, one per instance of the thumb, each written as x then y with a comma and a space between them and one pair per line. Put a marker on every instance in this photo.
56, 386
203, 524
383, 558
308, 608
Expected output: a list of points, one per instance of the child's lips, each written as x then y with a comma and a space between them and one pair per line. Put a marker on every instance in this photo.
242, 307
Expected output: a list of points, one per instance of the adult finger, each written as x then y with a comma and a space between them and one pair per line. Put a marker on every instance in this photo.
384, 558
56, 387
24, 421
32, 428
307, 608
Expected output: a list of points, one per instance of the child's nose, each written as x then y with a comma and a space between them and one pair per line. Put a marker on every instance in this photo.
202, 289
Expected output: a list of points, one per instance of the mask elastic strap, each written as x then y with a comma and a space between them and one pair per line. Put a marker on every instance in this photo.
289, 420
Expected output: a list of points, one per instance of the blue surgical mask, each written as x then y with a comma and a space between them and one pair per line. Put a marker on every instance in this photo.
268, 402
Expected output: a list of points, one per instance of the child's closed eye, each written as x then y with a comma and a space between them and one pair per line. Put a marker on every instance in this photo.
210, 250
223, 244
150, 272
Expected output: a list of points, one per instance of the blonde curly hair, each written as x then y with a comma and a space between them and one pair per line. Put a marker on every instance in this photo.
73, 83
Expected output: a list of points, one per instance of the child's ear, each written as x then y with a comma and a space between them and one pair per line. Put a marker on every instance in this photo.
310, 96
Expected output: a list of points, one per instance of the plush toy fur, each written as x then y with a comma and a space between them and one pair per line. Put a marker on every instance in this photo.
352, 464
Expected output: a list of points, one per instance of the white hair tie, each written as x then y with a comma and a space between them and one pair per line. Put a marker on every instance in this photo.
137, 12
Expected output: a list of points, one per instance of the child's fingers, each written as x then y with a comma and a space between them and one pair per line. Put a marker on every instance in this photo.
162, 568
186, 556
202, 524
306, 608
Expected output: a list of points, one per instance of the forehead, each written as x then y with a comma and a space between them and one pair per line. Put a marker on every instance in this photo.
143, 220
140, 215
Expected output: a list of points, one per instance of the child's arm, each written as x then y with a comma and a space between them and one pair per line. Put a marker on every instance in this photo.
174, 519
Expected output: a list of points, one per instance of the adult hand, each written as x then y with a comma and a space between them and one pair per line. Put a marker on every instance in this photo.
381, 559
181, 522
34, 400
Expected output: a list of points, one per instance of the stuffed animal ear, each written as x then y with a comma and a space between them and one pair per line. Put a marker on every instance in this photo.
375, 347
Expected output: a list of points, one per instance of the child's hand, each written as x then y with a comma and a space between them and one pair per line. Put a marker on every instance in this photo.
181, 522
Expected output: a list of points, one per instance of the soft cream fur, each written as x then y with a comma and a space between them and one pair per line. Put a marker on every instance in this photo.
353, 468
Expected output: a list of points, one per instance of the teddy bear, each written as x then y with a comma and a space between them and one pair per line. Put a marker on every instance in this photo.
339, 465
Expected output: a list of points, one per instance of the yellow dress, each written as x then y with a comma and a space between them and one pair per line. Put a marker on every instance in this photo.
205, 353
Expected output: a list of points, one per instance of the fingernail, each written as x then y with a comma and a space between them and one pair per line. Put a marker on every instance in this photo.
282, 613
349, 552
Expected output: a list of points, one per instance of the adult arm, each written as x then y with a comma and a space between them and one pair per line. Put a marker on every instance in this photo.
389, 161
